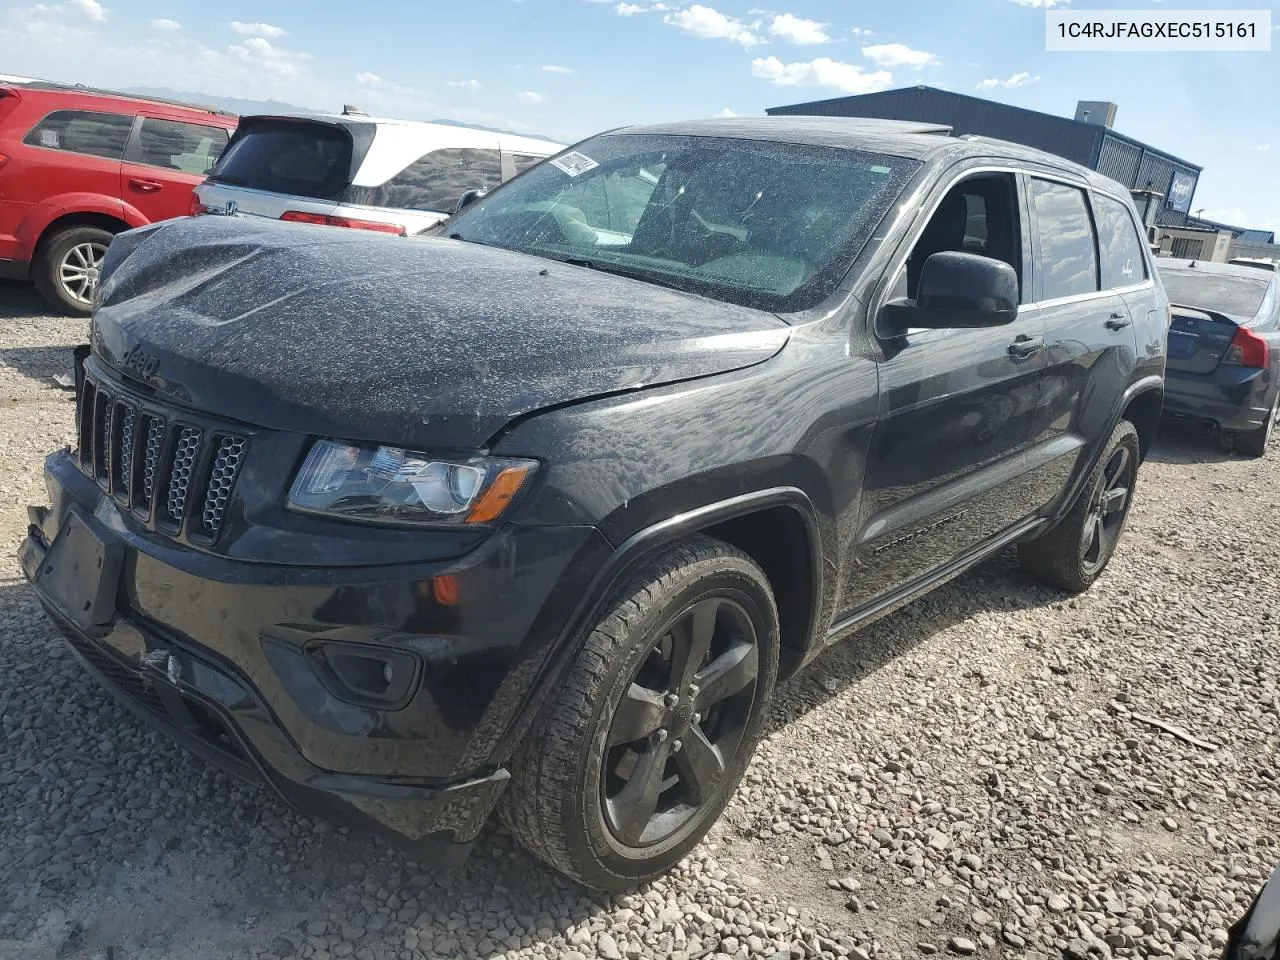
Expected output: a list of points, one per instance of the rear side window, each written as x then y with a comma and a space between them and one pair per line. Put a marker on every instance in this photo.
1068, 255
1119, 244
435, 181
524, 161
301, 159
83, 131
188, 147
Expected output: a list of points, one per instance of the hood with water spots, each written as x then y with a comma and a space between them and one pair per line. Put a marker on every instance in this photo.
428, 341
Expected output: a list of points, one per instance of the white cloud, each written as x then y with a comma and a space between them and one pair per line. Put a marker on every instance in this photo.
1042, 4
367, 79
530, 98
1263, 147
91, 9
898, 55
726, 114
260, 52
859, 32
256, 29
1017, 80
562, 71
165, 25
465, 84
711, 24
822, 72
799, 30
630, 9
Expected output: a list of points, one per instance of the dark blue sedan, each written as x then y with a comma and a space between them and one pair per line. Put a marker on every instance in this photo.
1224, 349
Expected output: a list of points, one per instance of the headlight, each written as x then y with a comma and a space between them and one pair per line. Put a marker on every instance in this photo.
391, 485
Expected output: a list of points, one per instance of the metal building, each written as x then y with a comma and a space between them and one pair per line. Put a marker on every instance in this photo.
1088, 140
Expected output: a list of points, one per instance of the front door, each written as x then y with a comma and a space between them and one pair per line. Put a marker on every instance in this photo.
164, 162
946, 471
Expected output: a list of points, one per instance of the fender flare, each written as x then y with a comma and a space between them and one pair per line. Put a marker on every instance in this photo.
1148, 384
36, 225
626, 558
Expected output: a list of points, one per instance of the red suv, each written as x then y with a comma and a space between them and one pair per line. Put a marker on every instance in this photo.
77, 166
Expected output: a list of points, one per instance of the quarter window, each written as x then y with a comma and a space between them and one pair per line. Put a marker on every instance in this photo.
524, 161
189, 147
1123, 262
1067, 249
435, 181
82, 131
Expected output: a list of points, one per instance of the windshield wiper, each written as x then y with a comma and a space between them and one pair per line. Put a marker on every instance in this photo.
621, 271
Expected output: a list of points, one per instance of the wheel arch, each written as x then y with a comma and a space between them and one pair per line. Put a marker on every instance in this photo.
793, 564
1143, 409
84, 218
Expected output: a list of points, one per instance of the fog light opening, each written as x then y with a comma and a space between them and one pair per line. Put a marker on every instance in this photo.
364, 674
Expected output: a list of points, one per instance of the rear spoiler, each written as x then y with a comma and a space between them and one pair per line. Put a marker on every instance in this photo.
1205, 314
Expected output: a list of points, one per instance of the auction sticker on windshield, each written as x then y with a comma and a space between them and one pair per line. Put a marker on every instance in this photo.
574, 163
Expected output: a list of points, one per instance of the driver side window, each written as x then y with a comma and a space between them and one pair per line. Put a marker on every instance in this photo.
978, 215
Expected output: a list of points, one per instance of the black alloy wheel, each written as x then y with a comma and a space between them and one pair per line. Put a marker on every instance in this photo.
681, 716
1108, 510
651, 727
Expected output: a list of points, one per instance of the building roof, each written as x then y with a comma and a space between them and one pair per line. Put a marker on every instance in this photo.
1075, 137
1246, 235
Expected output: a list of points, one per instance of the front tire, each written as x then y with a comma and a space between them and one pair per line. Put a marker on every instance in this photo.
1074, 553
653, 725
67, 267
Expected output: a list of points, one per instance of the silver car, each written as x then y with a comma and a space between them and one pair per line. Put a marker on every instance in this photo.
351, 170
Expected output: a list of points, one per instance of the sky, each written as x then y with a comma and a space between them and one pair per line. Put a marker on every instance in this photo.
570, 68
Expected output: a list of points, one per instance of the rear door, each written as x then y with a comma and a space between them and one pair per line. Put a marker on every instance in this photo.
164, 162
1089, 333
71, 151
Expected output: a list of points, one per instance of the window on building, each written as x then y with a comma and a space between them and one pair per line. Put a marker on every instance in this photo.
1067, 258
189, 147
1119, 243
83, 131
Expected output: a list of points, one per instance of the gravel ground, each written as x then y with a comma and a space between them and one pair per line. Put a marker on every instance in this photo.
978, 774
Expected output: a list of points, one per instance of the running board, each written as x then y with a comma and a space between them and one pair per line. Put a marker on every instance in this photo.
913, 591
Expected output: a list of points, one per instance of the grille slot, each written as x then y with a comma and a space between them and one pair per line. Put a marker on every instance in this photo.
150, 459
167, 471
181, 470
122, 419
222, 476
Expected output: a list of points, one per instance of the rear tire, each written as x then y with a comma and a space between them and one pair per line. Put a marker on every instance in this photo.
1073, 554
66, 267
1254, 443
642, 745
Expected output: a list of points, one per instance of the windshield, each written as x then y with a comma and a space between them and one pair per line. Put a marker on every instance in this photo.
1237, 296
768, 225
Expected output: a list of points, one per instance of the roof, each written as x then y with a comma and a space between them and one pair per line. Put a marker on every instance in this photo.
1048, 128
52, 86
917, 141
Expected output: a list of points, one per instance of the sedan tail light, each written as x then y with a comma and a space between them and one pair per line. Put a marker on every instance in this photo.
1248, 350
197, 207
326, 220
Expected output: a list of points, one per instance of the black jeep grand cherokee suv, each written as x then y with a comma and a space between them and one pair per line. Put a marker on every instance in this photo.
533, 514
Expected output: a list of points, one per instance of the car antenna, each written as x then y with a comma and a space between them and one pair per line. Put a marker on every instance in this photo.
349, 111
1191, 265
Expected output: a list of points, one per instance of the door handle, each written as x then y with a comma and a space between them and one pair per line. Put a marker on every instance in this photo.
1118, 321
1024, 346
146, 186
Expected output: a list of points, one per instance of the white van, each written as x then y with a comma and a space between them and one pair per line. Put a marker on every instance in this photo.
351, 170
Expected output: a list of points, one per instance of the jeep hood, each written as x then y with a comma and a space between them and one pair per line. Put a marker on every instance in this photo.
424, 341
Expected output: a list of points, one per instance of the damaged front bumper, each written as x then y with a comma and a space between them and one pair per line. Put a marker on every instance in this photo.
219, 655
207, 707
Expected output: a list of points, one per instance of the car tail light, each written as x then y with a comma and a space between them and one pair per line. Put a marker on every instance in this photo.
299, 216
197, 207
1248, 350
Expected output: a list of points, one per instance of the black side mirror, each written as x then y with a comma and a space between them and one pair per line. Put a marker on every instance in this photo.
958, 290
468, 198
